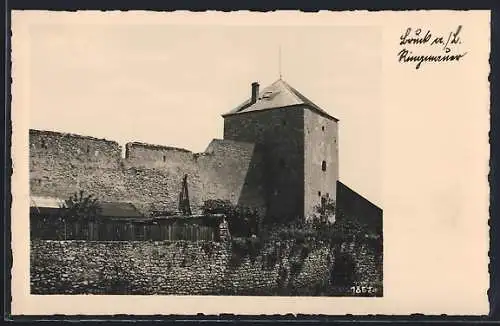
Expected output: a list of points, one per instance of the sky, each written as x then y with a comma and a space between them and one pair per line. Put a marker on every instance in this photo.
169, 84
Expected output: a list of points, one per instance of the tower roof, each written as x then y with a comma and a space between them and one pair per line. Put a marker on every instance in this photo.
277, 95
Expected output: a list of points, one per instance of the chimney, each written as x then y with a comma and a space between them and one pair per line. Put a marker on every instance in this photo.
255, 92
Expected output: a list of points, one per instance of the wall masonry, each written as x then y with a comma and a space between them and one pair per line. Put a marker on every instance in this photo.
154, 176
156, 156
355, 207
279, 135
150, 176
321, 164
234, 171
49, 146
186, 268
63, 163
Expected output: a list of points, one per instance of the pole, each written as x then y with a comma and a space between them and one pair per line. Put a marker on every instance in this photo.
279, 60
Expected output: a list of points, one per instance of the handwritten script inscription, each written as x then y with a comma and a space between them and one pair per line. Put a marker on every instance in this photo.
423, 46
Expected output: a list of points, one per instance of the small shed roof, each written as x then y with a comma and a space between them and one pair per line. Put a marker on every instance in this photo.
110, 209
119, 209
46, 202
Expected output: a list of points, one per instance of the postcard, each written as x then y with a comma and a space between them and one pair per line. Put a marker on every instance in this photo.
250, 163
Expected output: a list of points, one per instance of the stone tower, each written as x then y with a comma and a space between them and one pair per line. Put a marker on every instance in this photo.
298, 141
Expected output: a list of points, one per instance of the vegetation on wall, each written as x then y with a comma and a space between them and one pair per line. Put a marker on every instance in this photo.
328, 228
294, 242
242, 221
320, 228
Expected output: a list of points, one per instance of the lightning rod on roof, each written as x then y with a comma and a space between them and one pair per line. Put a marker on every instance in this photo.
279, 61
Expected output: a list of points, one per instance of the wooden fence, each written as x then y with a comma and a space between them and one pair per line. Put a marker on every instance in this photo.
122, 230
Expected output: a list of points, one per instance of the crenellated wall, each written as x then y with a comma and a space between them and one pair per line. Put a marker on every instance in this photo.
150, 176
156, 156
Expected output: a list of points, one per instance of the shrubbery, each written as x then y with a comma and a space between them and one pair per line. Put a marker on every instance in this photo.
242, 221
319, 228
245, 222
306, 235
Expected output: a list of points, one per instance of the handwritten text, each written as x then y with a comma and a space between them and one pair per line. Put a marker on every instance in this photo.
430, 47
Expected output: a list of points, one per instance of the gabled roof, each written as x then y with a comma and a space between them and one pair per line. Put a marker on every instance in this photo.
277, 95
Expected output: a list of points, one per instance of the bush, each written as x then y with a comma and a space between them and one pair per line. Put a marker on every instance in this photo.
242, 221
217, 206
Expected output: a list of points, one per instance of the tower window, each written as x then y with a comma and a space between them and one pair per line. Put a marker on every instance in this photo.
319, 193
164, 158
323, 128
323, 165
44, 145
284, 122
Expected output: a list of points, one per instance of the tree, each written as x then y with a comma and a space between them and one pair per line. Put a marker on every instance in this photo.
80, 208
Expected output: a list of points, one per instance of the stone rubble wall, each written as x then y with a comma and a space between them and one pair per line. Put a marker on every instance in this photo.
181, 267
149, 176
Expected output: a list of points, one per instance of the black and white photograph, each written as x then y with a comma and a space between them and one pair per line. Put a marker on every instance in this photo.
173, 157
260, 211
